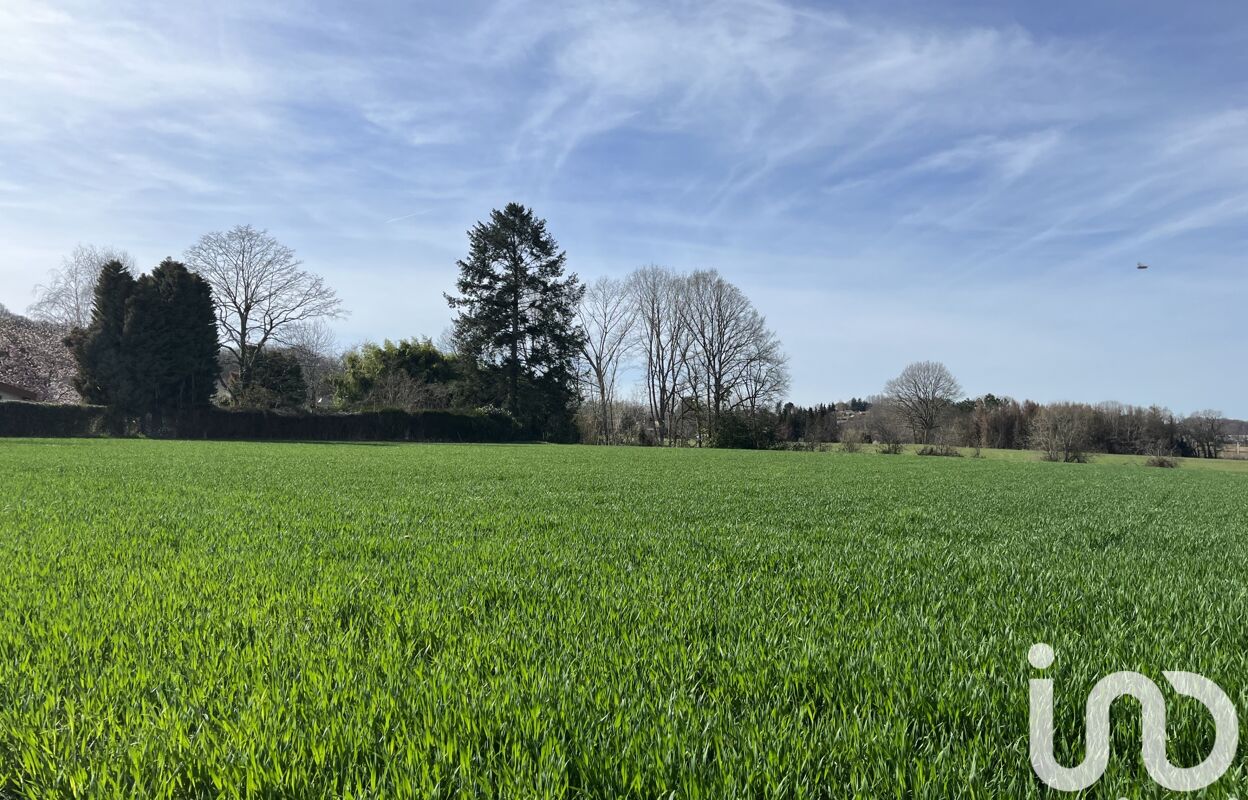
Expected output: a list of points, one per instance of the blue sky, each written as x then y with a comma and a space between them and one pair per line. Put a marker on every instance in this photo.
968, 182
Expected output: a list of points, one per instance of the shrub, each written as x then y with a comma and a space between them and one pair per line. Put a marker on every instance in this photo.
939, 450
276, 382
892, 448
799, 447
1165, 462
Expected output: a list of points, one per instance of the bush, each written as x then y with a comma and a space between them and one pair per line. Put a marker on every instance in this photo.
276, 382
1069, 458
799, 447
939, 450
891, 448
1165, 462
851, 442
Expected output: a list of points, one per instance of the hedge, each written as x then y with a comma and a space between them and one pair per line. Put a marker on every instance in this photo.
47, 419
39, 419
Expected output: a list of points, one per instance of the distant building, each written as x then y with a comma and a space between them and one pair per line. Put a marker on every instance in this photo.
10, 392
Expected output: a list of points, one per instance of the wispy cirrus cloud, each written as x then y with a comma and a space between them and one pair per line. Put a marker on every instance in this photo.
885, 159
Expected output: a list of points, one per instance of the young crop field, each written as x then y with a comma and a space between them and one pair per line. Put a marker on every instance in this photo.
203, 619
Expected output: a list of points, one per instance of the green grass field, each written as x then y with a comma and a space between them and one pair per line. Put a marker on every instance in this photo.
302, 620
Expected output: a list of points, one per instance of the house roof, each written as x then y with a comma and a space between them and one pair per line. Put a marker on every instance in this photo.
24, 394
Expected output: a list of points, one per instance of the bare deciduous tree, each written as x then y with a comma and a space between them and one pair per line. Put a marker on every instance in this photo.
402, 391
315, 347
66, 298
734, 361
886, 422
765, 376
1060, 433
607, 315
923, 393
707, 350
1207, 432
260, 292
663, 341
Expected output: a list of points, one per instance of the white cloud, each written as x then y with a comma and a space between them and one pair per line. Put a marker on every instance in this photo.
777, 142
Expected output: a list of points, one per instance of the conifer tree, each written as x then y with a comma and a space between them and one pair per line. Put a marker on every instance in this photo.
516, 322
152, 343
97, 348
170, 341
193, 326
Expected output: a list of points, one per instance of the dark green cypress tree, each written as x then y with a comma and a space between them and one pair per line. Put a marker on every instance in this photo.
516, 321
97, 349
192, 327
152, 343
170, 342
145, 344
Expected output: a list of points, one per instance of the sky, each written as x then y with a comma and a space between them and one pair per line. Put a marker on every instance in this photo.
970, 182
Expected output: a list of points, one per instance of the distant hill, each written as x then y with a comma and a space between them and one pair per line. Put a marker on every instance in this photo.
34, 357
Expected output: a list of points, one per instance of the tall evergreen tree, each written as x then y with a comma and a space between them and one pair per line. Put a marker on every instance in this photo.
97, 349
145, 345
516, 322
152, 343
170, 341
194, 326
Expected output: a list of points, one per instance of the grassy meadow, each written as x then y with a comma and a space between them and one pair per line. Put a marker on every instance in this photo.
207, 619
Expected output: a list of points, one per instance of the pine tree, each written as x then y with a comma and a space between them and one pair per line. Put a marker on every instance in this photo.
97, 349
516, 322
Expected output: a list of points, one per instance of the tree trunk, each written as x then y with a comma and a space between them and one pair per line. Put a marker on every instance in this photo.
604, 412
513, 389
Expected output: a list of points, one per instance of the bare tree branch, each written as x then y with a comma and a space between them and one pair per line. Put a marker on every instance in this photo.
607, 315
663, 340
67, 297
923, 393
260, 292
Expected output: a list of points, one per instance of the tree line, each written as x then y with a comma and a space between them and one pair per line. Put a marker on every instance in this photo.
708, 362
924, 405
655, 357
238, 322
